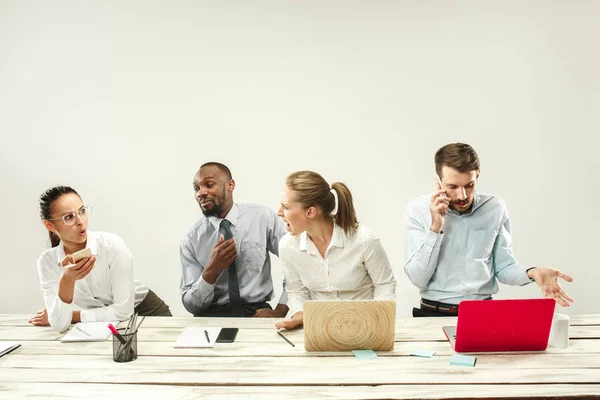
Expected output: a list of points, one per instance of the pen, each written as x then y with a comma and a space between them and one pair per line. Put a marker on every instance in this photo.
116, 333
286, 339
207, 338
81, 330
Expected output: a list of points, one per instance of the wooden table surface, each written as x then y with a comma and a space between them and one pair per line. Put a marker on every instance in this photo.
261, 365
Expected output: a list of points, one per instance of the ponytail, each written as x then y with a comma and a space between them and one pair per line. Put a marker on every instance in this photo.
312, 190
345, 216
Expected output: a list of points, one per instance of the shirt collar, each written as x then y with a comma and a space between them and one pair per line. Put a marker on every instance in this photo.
232, 216
337, 240
338, 237
91, 243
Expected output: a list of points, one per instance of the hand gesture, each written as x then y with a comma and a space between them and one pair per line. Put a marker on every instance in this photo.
221, 256
547, 279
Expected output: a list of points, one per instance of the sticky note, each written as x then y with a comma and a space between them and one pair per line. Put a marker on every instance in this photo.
423, 353
464, 361
364, 354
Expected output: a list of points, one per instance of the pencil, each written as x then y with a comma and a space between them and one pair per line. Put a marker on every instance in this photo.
81, 330
286, 339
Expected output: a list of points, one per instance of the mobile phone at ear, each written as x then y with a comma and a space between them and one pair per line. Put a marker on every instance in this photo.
439, 182
81, 254
227, 335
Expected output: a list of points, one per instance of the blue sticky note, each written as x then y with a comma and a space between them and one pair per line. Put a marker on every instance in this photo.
364, 354
423, 353
464, 361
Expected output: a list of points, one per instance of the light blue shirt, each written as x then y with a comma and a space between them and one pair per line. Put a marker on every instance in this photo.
469, 256
257, 231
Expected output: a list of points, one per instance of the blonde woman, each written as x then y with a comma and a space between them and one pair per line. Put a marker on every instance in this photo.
327, 254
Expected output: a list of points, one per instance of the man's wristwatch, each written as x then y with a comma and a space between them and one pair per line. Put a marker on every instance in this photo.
527, 270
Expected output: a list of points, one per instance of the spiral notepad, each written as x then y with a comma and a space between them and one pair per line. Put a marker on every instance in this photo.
195, 338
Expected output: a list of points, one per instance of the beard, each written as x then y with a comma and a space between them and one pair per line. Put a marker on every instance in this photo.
214, 210
217, 205
461, 206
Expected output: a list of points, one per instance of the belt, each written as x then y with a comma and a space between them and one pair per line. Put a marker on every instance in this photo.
443, 307
439, 306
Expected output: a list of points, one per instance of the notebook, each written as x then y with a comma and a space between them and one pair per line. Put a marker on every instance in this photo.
98, 332
7, 347
194, 337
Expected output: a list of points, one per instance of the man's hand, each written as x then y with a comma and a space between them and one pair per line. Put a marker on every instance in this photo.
74, 272
295, 322
438, 206
279, 312
547, 279
40, 318
221, 256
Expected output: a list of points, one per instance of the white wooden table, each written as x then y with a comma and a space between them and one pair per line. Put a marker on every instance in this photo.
261, 365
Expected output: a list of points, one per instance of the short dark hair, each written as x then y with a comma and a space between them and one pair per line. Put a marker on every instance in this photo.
459, 156
222, 167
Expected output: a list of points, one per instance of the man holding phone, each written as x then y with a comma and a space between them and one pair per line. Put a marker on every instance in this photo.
225, 262
458, 242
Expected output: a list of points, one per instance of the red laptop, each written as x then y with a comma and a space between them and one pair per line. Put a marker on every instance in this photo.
502, 325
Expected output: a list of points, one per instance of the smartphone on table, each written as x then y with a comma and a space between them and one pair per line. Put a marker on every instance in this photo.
227, 335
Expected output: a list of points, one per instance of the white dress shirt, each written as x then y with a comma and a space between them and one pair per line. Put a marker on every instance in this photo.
355, 267
107, 293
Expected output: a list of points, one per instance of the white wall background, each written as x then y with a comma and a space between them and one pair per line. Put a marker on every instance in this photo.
123, 100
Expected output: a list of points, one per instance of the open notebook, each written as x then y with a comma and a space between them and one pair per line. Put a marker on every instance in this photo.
195, 338
88, 332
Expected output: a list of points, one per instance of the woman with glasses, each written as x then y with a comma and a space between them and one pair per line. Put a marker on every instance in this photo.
102, 285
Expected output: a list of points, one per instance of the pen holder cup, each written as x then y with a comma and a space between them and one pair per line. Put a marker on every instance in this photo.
125, 352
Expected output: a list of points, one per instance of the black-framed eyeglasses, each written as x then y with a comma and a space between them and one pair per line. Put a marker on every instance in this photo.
71, 217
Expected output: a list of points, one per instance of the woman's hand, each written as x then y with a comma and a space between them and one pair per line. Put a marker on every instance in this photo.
74, 272
295, 322
40, 318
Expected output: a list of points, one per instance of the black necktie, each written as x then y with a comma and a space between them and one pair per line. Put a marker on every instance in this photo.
235, 300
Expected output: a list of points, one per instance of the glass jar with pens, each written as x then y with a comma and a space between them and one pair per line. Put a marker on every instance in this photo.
125, 340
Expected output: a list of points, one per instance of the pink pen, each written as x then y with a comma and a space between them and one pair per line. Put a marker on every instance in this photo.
116, 333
